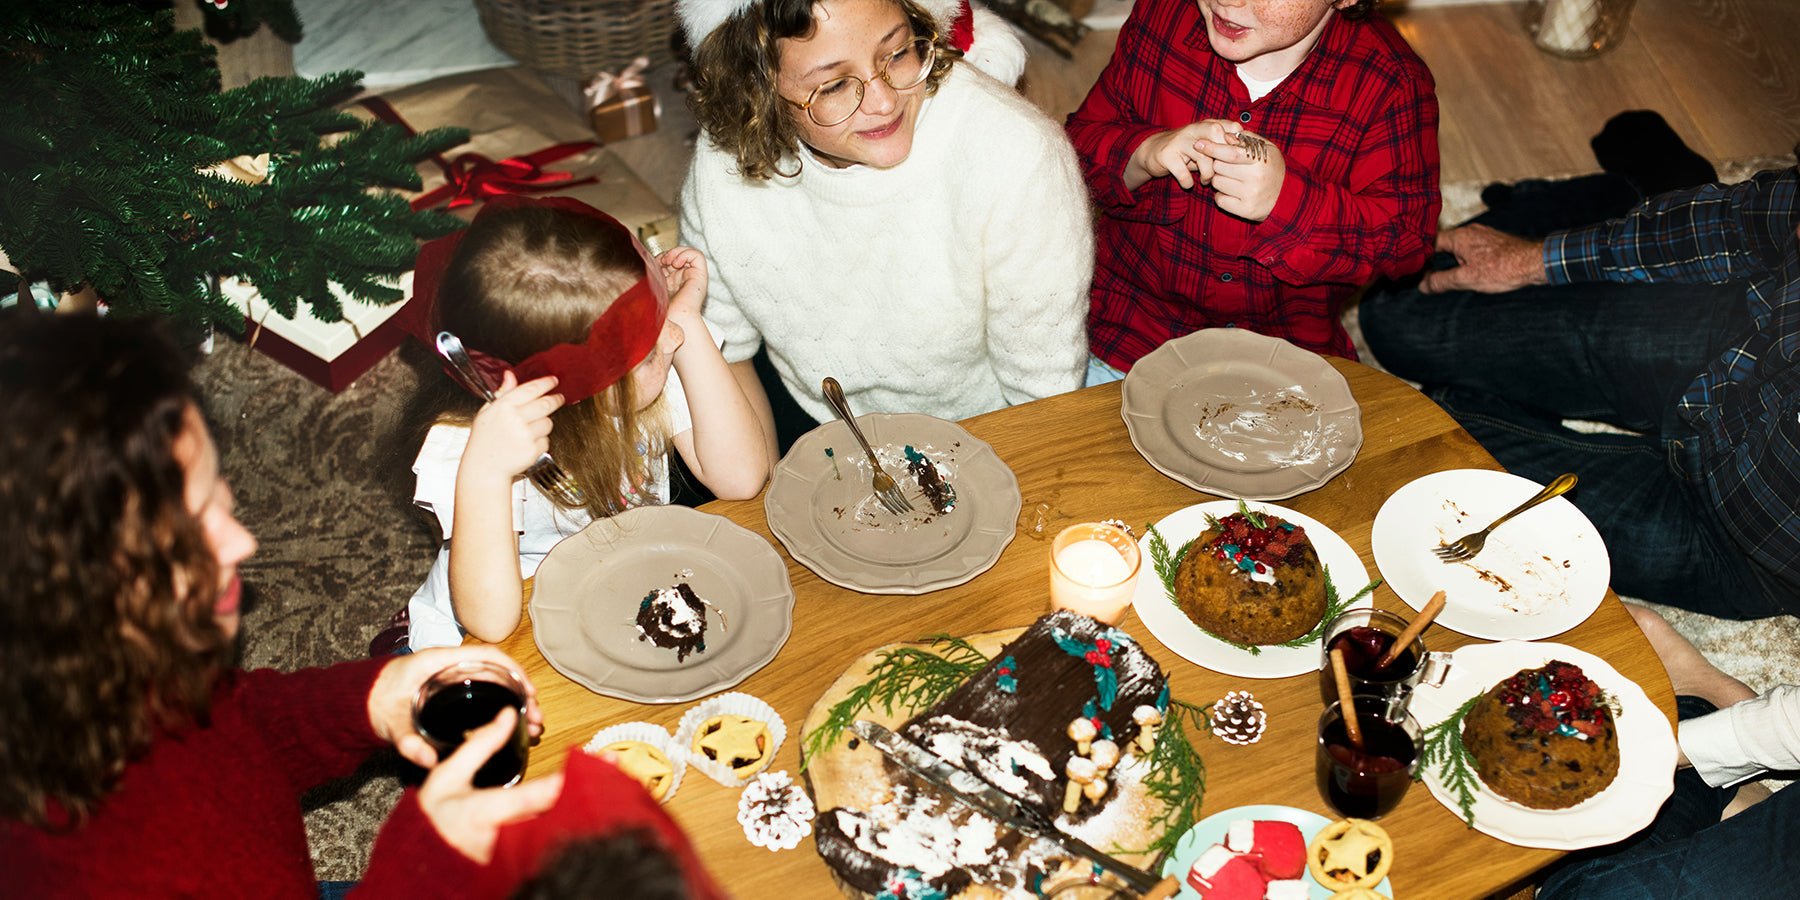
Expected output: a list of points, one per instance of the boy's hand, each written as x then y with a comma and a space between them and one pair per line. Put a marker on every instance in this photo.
1487, 261
1176, 153
684, 271
512, 431
1247, 176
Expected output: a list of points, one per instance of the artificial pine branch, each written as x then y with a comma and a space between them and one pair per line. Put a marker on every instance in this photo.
112, 119
902, 678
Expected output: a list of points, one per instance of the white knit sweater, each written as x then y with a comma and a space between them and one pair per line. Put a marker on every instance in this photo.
951, 284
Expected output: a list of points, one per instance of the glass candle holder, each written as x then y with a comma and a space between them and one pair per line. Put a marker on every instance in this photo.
1093, 570
1576, 29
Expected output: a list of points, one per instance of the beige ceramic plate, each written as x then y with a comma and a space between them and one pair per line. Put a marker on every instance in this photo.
585, 601
1234, 413
820, 505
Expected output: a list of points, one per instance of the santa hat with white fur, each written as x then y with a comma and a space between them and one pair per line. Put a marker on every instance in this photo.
985, 39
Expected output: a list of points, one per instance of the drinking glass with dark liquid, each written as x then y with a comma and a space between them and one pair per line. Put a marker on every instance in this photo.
465, 697
1366, 782
1365, 635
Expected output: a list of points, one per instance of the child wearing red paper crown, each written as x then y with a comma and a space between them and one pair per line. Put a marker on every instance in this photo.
577, 327
1253, 162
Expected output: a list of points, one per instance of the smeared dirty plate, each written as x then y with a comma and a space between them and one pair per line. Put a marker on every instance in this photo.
1234, 413
821, 507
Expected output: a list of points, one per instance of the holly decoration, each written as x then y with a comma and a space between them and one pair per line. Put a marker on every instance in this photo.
1006, 678
1099, 655
1239, 718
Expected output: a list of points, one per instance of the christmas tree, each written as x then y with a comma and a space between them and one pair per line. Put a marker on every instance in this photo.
124, 168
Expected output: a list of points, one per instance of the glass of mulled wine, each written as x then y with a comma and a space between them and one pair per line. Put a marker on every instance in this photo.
1365, 635
1366, 782
464, 697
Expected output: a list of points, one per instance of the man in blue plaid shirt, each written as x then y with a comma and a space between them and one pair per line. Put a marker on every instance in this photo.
1679, 321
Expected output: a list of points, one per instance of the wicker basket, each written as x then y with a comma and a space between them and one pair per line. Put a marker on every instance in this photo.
574, 39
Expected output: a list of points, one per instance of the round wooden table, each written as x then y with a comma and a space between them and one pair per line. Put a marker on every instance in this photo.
1072, 453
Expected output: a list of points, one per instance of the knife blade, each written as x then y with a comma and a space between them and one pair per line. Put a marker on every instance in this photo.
976, 793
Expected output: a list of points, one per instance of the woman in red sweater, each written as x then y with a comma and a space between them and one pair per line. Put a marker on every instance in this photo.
134, 760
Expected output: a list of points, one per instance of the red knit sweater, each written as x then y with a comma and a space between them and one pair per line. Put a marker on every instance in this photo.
215, 811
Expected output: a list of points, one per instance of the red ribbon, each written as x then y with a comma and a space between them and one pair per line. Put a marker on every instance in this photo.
472, 177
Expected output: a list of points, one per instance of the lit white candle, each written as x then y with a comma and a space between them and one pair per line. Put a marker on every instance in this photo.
1093, 570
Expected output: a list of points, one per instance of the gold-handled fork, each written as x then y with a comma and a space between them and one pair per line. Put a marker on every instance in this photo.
1465, 547
886, 491
549, 477
1255, 145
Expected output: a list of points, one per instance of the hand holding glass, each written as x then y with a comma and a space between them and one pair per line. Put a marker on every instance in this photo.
464, 697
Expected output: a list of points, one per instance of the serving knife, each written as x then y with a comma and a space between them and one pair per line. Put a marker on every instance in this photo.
973, 791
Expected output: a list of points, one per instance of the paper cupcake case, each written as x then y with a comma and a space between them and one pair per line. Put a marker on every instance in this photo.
654, 735
728, 704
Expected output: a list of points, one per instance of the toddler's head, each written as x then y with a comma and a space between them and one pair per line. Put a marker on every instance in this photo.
528, 276
1244, 30
551, 286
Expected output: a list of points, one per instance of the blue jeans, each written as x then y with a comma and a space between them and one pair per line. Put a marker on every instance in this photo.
1510, 367
1099, 371
1687, 852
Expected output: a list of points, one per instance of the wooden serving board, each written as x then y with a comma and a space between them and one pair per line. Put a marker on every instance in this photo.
857, 778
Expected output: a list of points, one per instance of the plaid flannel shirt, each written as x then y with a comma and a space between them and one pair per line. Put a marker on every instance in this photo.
1357, 125
1745, 407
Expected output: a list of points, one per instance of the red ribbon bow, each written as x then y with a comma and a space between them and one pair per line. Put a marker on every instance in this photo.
471, 177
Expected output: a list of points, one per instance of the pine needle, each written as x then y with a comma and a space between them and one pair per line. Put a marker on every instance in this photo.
1443, 748
902, 678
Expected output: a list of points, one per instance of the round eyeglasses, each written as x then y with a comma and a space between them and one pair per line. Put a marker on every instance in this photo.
835, 101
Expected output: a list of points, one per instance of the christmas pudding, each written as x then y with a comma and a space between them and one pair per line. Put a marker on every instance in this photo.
1252, 578
1063, 718
1544, 738
673, 618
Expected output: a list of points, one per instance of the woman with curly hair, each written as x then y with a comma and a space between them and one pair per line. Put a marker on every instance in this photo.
135, 760
880, 211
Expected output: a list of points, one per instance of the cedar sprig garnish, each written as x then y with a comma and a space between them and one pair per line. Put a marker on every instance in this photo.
1333, 606
902, 678
1177, 777
1443, 748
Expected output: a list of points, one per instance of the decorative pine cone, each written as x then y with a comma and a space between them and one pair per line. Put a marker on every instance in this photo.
1238, 718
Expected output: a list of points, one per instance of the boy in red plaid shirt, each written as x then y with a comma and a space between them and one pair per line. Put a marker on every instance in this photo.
1253, 162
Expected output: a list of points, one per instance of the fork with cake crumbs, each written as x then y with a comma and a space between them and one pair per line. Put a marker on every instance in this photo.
886, 490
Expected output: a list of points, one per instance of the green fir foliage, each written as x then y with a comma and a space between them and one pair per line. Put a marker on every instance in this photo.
112, 116
902, 678
1177, 776
1444, 751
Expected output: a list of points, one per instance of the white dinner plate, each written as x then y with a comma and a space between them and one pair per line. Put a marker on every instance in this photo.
1179, 633
1539, 575
1646, 751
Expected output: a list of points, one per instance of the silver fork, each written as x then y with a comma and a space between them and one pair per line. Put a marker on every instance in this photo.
545, 473
1465, 547
886, 490
1256, 146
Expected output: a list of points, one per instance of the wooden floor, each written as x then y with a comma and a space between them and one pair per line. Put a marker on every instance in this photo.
1724, 73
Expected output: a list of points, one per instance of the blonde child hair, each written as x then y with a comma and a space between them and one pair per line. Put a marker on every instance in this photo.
526, 278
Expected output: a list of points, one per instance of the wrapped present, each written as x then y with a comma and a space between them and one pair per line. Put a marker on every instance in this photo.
622, 106
523, 138
330, 354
